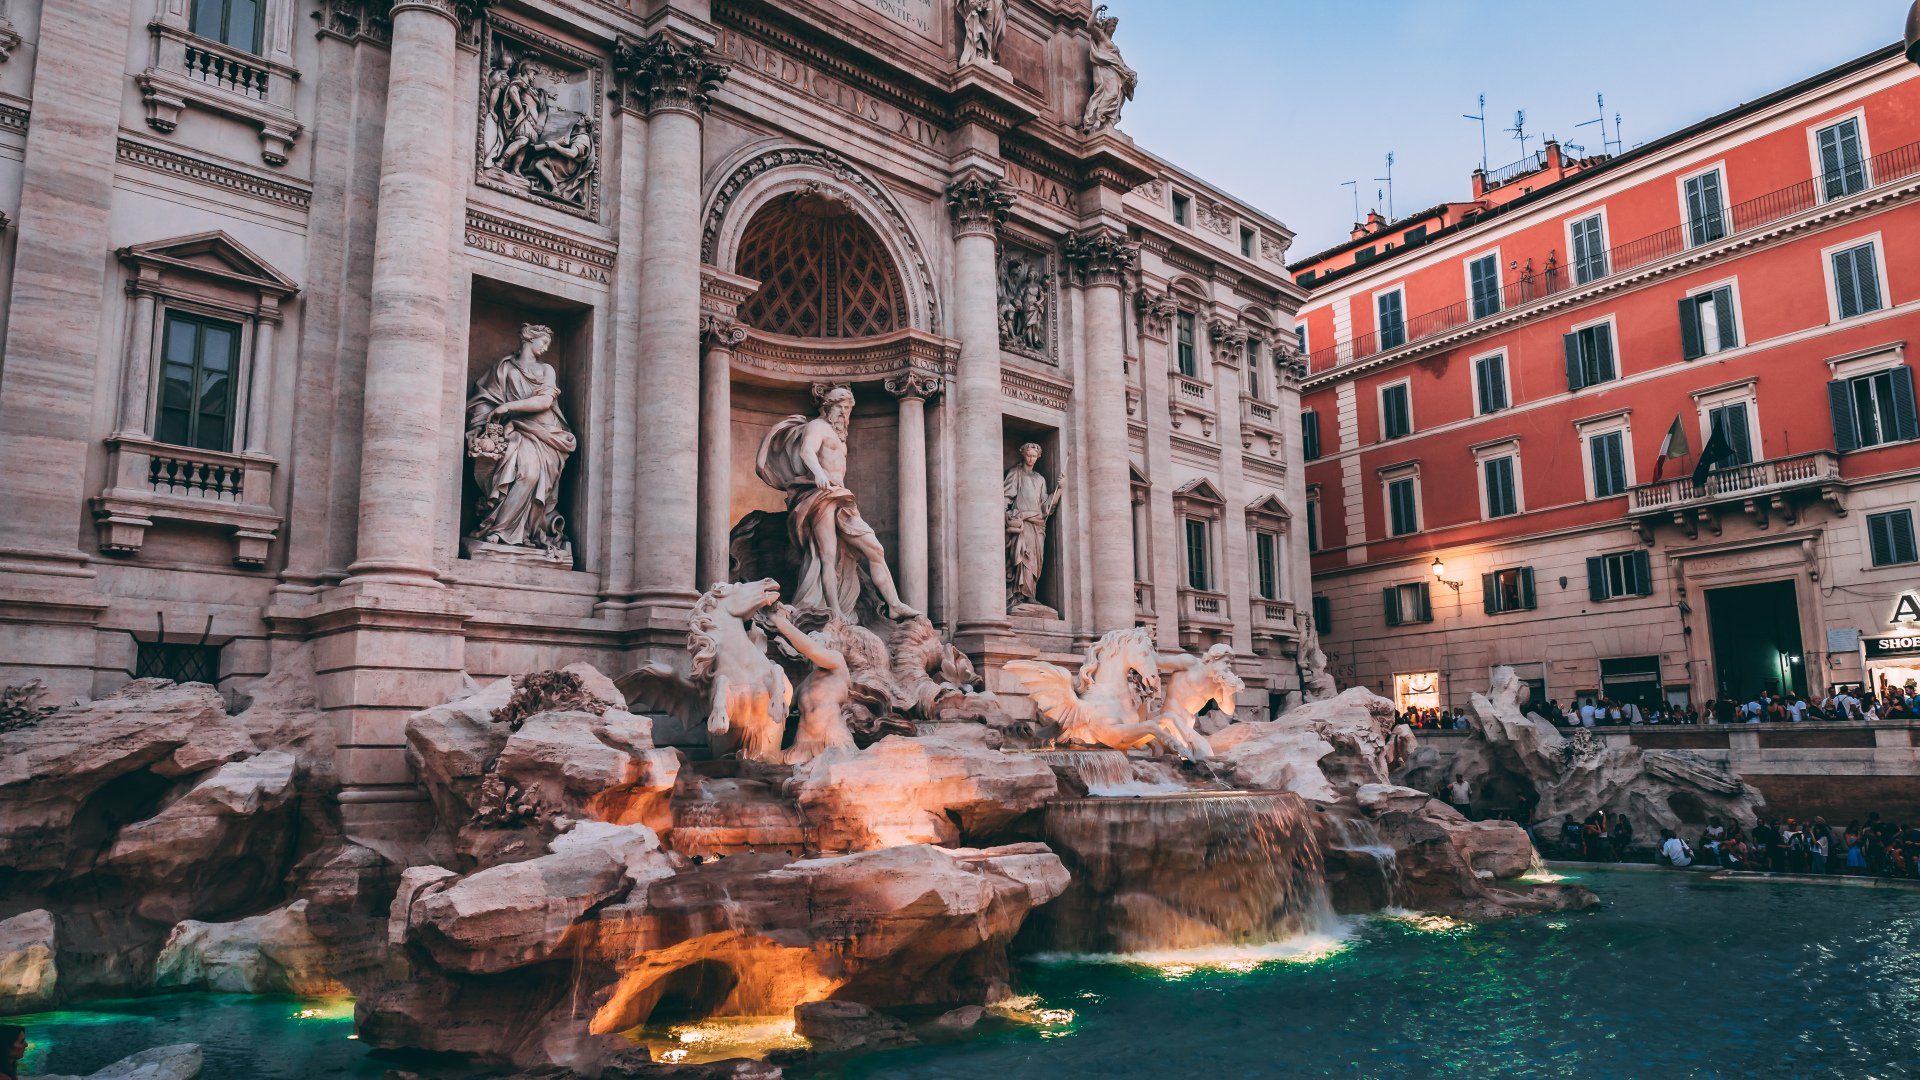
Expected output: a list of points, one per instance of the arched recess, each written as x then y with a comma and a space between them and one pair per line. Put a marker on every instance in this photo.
760, 175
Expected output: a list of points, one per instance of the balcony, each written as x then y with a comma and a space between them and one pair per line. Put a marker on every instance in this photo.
1274, 619
1189, 398
1763, 489
186, 69
1259, 418
1552, 276
155, 482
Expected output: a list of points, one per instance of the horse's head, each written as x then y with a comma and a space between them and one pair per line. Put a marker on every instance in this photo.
1121, 653
745, 599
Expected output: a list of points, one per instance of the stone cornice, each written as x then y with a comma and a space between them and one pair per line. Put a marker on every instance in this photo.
667, 73
548, 250
979, 204
215, 174
1032, 388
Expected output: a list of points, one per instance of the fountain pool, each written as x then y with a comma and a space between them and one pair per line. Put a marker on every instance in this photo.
1678, 975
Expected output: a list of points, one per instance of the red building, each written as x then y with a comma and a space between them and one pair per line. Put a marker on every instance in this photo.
1492, 382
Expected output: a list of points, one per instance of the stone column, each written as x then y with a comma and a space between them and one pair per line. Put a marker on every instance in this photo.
674, 78
716, 445
1102, 257
979, 204
260, 381
913, 389
135, 392
1229, 342
401, 422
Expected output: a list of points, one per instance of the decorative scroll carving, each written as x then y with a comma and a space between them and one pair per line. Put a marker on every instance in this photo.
1025, 302
1113, 81
540, 126
665, 73
924, 385
1102, 256
979, 204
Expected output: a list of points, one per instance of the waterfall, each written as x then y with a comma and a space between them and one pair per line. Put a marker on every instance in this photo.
1111, 773
1367, 867
1181, 872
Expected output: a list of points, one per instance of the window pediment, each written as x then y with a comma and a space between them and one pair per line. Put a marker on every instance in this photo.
210, 257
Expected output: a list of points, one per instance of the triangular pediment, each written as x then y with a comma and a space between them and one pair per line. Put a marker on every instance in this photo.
1269, 506
215, 255
1201, 490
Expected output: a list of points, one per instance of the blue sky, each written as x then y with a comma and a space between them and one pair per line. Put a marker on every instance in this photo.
1280, 101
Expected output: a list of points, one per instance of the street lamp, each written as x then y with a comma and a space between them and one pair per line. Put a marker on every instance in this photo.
1440, 569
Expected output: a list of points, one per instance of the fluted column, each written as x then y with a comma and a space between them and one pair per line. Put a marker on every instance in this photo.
1102, 257
913, 389
716, 445
979, 204
674, 78
138, 388
260, 382
401, 424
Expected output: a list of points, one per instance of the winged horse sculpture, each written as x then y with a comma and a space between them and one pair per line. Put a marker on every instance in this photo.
1109, 703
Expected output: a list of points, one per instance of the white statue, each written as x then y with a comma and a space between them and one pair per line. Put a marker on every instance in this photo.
1107, 703
807, 459
823, 692
1029, 507
983, 23
519, 441
747, 693
1193, 681
1113, 81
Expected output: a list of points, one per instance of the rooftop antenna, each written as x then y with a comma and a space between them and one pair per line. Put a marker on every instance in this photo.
1617, 139
1482, 118
1519, 130
1389, 181
1355, 185
1606, 145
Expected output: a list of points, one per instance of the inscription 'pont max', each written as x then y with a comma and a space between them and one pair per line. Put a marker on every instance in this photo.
828, 90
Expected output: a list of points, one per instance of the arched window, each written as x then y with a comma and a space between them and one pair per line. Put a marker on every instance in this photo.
823, 271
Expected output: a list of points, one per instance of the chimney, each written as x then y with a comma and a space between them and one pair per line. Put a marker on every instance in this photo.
1554, 158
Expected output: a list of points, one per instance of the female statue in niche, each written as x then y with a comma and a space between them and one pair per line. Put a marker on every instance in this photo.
1029, 506
1113, 81
519, 441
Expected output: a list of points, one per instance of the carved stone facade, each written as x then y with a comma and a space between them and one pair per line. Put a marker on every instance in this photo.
698, 216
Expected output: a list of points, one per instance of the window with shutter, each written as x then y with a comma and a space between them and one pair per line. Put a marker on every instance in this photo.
1589, 250
1730, 421
1706, 217
1508, 590
1490, 383
1707, 323
1322, 615
1313, 524
1390, 604
1483, 277
1872, 409
1856, 281
1606, 453
1310, 435
1843, 167
1891, 538
1402, 506
1396, 412
1392, 312
1497, 474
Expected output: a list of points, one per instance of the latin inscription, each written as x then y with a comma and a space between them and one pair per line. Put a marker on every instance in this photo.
1046, 189
916, 15
828, 90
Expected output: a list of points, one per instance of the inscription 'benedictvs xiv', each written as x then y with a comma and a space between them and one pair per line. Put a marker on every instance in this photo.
828, 90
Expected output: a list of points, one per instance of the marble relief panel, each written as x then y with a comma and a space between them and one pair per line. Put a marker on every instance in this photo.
540, 129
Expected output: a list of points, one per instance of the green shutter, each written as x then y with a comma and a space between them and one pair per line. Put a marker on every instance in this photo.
1596, 577
1575, 368
1489, 593
1390, 602
1723, 314
1906, 426
1840, 404
1691, 345
1643, 573
1425, 599
1527, 599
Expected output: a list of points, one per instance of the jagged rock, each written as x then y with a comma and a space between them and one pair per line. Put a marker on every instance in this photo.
582, 765
182, 1061
839, 1026
1453, 866
274, 953
108, 759
29, 964
450, 747
959, 1021
1315, 750
283, 713
415, 882
1359, 725
1274, 756
220, 844
1517, 755
916, 791
1499, 848
515, 914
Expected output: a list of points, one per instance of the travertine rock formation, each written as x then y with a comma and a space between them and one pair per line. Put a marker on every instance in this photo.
182, 1061
274, 953
930, 790
29, 962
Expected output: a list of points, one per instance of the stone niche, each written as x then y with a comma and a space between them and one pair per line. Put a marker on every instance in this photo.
873, 453
497, 312
1016, 433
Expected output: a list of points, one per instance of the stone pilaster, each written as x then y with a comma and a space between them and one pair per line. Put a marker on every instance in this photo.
1229, 341
722, 335
1157, 309
1102, 257
913, 389
979, 204
672, 79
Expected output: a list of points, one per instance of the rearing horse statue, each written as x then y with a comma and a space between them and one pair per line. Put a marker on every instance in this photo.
1107, 704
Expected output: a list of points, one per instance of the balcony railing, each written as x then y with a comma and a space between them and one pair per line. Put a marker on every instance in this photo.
1768, 477
1552, 276
1273, 618
1203, 608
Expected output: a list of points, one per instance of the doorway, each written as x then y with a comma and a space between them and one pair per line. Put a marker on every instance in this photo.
1756, 640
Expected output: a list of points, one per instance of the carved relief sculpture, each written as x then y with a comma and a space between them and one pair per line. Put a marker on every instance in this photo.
807, 458
983, 23
519, 441
539, 133
1113, 81
1026, 291
1029, 507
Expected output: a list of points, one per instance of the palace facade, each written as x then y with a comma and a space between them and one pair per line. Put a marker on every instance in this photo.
276, 271
1511, 398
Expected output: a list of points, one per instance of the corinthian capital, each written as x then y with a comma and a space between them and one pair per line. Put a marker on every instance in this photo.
979, 203
1156, 313
1102, 256
462, 12
721, 331
915, 384
666, 73
1229, 341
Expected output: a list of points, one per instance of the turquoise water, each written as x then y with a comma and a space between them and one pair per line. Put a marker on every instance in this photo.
1677, 976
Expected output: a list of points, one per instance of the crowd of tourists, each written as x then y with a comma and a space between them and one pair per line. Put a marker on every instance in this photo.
1421, 719
1872, 847
1765, 707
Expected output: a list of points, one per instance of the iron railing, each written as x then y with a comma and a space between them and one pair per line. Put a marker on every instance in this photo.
1552, 276
1738, 482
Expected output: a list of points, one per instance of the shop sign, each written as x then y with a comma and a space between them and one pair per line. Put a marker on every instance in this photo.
1892, 645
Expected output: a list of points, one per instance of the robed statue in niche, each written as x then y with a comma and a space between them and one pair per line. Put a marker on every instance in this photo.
520, 442
1029, 507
